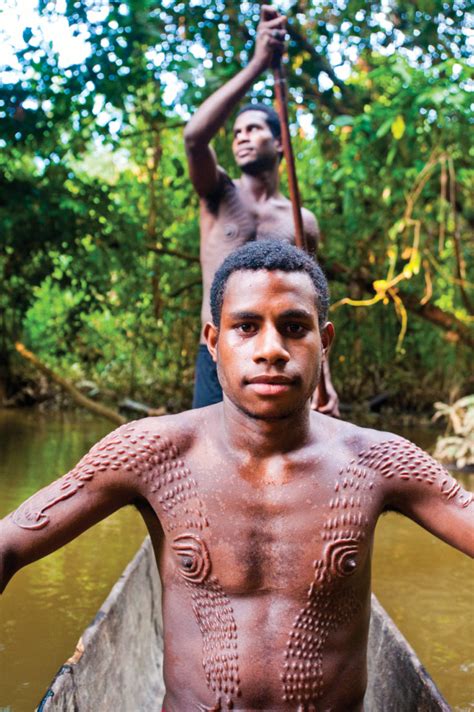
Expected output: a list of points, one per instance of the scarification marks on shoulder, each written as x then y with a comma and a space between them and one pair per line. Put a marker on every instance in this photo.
113, 452
405, 461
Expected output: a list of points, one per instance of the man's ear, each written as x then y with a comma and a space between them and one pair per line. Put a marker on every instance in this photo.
279, 146
211, 333
327, 336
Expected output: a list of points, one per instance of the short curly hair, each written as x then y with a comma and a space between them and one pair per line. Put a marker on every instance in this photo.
271, 116
270, 255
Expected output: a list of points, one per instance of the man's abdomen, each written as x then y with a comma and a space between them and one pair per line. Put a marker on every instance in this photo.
263, 652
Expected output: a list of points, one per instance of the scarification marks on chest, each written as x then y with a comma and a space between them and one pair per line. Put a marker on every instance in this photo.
215, 618
328, 606
238, 219
177, 491
183, 509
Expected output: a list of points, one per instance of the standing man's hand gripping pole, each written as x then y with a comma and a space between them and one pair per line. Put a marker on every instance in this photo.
214, 112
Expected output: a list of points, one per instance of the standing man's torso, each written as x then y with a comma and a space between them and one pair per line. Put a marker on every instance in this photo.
232, 217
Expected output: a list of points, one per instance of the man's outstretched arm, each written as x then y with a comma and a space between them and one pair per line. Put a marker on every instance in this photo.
422, 489
110, 476
214, 112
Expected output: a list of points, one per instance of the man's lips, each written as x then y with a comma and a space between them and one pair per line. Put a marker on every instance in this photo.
267, 378
266, 385
244, 151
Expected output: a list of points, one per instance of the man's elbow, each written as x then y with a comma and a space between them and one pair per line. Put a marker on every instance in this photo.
191, 137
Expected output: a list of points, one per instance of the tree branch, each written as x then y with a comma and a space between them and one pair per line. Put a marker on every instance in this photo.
185, 287
175, 253
75, 394
440, 318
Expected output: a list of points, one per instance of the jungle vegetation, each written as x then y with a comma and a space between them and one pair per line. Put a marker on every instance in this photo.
99, 238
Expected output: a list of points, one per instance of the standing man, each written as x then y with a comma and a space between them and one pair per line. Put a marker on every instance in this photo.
233, 212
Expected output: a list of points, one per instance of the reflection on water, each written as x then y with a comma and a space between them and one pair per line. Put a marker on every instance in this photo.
424, 584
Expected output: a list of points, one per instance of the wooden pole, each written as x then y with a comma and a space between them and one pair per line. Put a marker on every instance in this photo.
300, 239
282, 109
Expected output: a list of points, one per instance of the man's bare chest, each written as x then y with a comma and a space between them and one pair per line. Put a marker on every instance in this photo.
306, 531
238, 219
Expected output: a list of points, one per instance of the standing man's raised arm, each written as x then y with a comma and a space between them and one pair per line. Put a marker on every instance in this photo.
216, 109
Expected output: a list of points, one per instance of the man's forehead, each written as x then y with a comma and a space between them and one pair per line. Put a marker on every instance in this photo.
249, 116
245, 288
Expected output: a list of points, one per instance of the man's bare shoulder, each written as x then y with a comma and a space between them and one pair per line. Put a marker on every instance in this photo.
181, 429
401, 469
355, 441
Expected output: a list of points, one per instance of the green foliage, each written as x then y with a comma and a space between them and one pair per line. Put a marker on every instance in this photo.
96, 202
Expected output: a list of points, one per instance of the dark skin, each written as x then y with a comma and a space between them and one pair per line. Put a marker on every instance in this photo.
232, 212
261, 513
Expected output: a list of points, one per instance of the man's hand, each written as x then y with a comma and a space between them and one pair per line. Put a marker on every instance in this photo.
271, 34
329, 406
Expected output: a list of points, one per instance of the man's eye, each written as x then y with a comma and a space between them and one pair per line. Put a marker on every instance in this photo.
295, 329
246, 328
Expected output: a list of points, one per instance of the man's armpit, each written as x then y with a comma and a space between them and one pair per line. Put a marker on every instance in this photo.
225, 184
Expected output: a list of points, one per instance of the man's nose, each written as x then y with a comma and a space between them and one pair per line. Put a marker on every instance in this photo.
270, 347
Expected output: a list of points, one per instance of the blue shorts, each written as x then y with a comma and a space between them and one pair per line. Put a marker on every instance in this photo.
207, 389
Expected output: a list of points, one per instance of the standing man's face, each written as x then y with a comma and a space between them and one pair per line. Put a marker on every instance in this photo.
268, 347
254, 146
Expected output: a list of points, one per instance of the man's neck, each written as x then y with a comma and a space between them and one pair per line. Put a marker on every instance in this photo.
261, 186
250, 437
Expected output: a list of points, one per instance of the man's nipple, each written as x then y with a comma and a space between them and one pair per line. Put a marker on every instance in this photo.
193, 557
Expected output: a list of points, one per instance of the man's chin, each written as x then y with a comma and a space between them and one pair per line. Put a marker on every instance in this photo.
253, 166
272, 412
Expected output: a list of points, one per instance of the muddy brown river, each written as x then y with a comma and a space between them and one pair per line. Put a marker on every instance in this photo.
427, 587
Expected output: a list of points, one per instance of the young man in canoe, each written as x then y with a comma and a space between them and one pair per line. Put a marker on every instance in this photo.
261, 511
233, 212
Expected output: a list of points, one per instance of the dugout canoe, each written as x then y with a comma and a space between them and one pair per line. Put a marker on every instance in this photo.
117, 664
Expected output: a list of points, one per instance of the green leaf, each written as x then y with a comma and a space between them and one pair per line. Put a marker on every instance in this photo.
344, 120
384, 128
